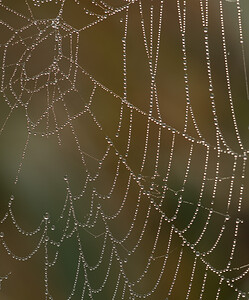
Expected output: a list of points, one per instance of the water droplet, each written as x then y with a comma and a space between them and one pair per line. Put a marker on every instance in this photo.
139, 176
46, 216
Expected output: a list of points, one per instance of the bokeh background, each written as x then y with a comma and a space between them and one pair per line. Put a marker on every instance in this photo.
50, 154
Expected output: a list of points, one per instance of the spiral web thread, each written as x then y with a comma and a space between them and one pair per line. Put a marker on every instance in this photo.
146, 193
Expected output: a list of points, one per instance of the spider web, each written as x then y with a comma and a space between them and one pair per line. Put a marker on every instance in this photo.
124, 143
